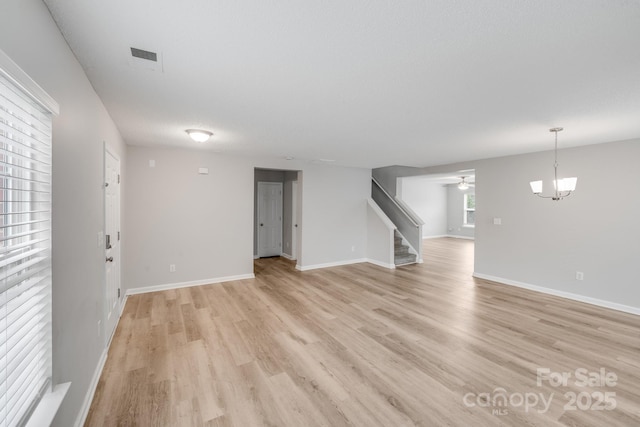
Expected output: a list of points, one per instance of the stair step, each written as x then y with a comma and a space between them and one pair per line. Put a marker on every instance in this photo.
401, 253
401, 250
405, 259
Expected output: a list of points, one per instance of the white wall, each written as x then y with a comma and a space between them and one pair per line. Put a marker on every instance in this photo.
380, 237
543, 242
334, 214
31, 38
199, 223
428, 200
455, 212
204, 223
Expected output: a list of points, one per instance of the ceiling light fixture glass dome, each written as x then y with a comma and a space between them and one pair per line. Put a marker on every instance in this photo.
199, 135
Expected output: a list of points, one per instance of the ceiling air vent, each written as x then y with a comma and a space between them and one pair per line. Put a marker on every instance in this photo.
144, 54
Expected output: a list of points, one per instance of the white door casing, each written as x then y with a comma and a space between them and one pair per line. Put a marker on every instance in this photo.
269, 226
294, 219
112, 242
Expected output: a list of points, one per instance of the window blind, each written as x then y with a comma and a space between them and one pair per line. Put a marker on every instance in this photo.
25, 253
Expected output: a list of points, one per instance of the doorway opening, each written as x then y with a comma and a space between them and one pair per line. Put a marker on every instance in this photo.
446, 204
277, 213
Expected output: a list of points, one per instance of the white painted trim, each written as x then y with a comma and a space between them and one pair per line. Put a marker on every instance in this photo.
561, 294
12, 71
48, 406
167, 286
88, 398
457, 236
382, 264
435, 237
287, 256
330, 264
256, 257
383, 217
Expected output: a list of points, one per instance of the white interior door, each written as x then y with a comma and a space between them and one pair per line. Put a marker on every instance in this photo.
269, 219
112, 242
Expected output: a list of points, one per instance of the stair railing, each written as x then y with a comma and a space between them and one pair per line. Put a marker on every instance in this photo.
409, 225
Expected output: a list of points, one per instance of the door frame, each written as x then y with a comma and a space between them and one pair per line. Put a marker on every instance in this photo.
108, 334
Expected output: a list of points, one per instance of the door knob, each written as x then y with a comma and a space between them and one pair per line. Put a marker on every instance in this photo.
110, 259
261, 224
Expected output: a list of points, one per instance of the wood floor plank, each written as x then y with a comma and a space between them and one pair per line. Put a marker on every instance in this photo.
360, 345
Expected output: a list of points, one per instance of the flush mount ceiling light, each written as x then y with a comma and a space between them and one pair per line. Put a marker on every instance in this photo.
463, 185
199, 135
563, 187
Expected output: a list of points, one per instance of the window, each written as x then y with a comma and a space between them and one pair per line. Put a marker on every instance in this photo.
25, 251
469, 210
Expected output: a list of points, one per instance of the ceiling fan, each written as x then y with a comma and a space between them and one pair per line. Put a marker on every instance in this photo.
464, 184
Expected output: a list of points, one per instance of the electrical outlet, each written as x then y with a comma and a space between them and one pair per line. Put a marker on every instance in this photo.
353, 248
172, 268
579, 275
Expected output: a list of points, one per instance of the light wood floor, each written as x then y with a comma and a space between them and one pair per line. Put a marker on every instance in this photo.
364, 346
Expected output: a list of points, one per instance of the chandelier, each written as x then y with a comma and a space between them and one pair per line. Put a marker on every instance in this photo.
563, 187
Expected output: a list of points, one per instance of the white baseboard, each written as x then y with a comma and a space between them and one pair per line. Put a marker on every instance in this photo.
434, 237
382, 264
562, 294
167, 286
256, 257
330, 264
457, 236
88, 398
287, 256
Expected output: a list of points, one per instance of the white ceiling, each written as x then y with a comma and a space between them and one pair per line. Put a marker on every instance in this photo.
364, 82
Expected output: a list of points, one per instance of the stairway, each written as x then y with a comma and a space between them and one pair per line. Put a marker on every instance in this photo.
402, 255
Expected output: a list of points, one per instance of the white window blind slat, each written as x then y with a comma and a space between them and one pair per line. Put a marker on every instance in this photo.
27, 112
27, 243
40, 277
22, 141
25, 253
11, 120
26, 233
17, 157
13, 361
19, 396
19, 172
41, 271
